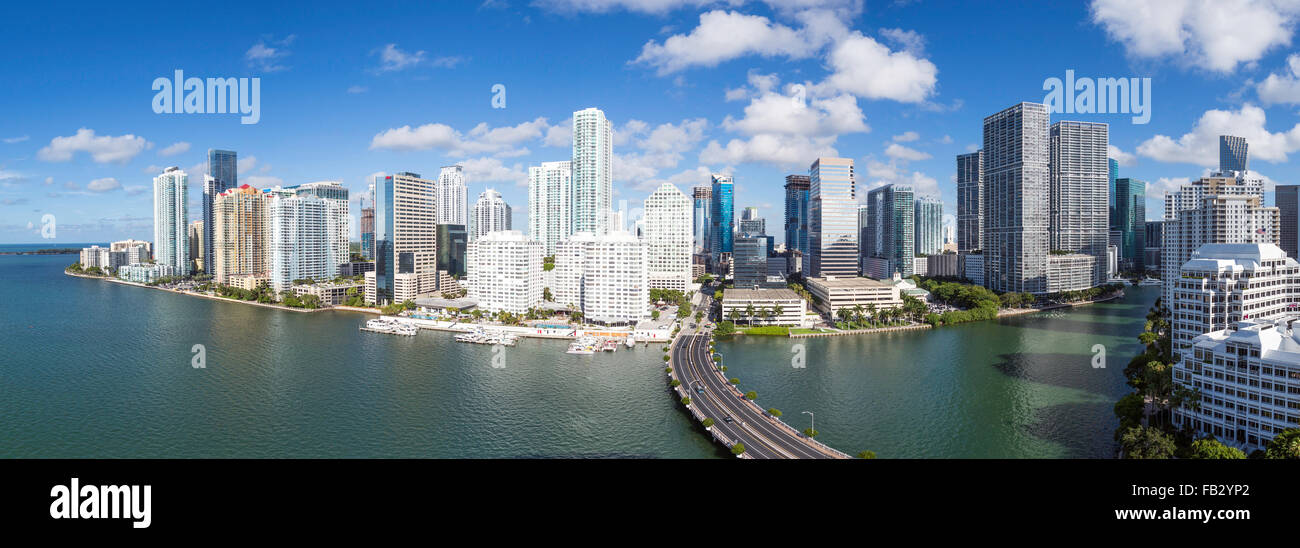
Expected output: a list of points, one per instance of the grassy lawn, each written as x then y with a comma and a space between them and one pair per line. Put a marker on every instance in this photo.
767, 330
807, 331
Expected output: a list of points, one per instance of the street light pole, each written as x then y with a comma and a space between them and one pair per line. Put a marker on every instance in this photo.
813, 428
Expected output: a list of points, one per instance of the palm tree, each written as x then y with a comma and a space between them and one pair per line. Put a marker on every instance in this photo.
777, 310
844, 314
1159, 386
749, 312
734, 315
857, 314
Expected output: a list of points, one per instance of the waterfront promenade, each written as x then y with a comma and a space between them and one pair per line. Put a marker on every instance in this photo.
550, 331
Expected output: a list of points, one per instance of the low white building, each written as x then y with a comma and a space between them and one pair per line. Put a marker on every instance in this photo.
143, 253
1249, 380
793, 310
504, 271
1070, 272
329, 293
104, 258
833, 293
406, 287
1231, 322
145, 273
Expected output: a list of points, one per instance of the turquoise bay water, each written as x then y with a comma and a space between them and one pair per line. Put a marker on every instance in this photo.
94, 369
1019, 387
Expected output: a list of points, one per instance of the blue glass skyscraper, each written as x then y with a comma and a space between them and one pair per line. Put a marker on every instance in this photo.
1114, 174
722, 219
702, 202
385, 226
1131, 218
1232, 153
796, 213
223, 175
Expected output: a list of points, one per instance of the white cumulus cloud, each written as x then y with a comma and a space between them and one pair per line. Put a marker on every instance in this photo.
103, 185
103, 149
1201, 145
1214, 35
174, 149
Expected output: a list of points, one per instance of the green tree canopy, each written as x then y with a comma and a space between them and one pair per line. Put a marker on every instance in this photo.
1210, 448
1285, 445
1143, 442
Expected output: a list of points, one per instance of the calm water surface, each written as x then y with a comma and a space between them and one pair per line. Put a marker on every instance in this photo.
94, 369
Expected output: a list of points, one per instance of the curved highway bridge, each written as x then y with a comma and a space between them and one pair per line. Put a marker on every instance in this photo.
713, 396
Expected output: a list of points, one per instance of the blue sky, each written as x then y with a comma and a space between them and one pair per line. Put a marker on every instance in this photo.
692, 86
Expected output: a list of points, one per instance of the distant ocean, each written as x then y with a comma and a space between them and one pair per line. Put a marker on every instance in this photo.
17, 248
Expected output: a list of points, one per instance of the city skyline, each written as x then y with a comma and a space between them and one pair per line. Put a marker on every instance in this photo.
679, 112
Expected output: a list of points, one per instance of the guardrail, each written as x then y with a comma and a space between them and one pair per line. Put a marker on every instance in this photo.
777, 421
683, 391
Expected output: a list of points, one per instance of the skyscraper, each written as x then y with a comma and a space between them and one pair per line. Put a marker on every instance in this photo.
750, 261
367, 229
833, 218
751, 223
1113, 166
1016, 205
667, 237
1233, 335
796, 213
405, 236
1080, 199
615, 288
1211, 210
1233, 154
606, 277
223, 174
890, 230
970, 201
504, 271
927, 225
1153, 237
592, 179
701, 196
170, 220
452, 196
1130, 221
864, 234
491, 214
1288, 200
195, 235
452, 245
550, 205
300, 239
242, 232
337, 216
721, 216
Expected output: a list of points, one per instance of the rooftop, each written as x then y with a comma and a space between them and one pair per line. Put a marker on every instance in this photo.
759, 294
834, 282
446, 303
1215, 256
1275, 337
